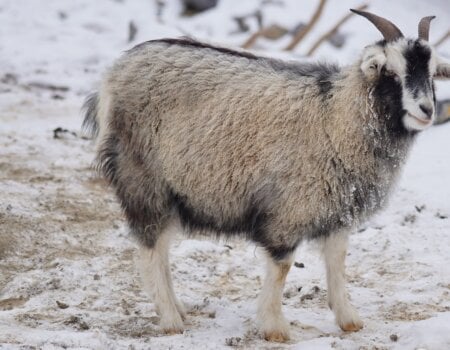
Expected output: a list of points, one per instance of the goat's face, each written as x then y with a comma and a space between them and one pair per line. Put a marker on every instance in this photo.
402, 72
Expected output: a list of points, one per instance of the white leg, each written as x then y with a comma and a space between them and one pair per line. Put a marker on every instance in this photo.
179, 305
335, 250
272, 323
155, 273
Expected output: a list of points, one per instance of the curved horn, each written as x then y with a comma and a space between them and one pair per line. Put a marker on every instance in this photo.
387, 28
424, 27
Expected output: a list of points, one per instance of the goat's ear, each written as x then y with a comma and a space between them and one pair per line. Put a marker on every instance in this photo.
442, 70
374, 59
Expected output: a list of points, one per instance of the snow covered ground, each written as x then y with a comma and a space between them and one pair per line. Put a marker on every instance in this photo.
67, 277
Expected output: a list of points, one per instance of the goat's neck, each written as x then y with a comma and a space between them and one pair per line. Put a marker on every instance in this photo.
357, 132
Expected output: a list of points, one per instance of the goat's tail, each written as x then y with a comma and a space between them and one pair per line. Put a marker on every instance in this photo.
90, 108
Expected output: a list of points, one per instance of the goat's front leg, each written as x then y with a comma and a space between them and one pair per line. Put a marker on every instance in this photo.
335, 250
272, 323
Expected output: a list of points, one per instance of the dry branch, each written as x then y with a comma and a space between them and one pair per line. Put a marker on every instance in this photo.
251, 41
305, 30
48, 86
333, 30
272, 32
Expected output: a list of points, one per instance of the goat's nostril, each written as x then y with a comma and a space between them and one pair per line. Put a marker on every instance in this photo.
427, 110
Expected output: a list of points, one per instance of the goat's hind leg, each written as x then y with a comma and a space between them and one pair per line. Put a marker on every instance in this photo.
335, 250
154, 269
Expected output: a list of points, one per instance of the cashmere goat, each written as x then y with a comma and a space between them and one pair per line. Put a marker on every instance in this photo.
194, 137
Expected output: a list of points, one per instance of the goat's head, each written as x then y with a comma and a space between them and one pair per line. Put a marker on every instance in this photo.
402, 71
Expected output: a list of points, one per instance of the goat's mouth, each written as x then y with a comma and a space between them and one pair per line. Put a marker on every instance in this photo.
421, 121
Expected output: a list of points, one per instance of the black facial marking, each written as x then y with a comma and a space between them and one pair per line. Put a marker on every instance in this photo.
417, 73
388, 103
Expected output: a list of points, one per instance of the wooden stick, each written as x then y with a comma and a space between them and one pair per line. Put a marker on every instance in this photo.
305, 30
251, 41
442, 39
333, 30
